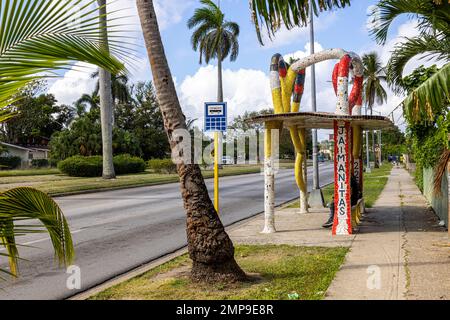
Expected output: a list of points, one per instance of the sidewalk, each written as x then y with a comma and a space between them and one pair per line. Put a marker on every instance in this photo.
400, 252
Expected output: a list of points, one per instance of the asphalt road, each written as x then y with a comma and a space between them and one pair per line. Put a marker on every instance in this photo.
116, 231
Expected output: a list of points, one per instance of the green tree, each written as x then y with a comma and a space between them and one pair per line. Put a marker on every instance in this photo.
214, 37
433, 41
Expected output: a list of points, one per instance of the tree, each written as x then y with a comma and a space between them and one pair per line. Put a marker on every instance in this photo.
119, 87
210, 247
39, 37
433, 40
373, 90
92, 100
273, 14
214, 37
106, 99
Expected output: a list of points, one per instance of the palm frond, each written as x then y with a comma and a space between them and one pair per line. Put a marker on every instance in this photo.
429, 98
431, 14
440, 171
274, 13
22, 204
426, 45
37, 37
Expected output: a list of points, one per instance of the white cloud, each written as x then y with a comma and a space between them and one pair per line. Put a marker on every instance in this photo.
244, 90
75, 82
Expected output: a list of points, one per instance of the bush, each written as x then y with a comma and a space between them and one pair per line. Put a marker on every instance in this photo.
10, 162
124, 164
40, 163
162, 165
79, 166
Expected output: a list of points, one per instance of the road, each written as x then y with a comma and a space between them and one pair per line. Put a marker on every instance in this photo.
117, 231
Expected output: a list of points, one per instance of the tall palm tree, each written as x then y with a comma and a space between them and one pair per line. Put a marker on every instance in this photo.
210, 247
106, 100
373, 90
214, 37
38, 37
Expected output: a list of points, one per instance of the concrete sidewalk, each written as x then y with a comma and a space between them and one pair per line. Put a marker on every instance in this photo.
399, 252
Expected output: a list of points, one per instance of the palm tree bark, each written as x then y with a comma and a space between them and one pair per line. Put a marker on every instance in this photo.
106, 102
210, 247
220, 80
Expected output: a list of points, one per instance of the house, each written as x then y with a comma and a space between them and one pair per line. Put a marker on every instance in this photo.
25, 153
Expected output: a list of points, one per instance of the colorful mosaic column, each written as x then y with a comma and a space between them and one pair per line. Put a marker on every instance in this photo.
342, 161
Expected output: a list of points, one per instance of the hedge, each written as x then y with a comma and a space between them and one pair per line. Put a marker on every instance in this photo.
124, 164
10, 162
40, 163
162, 166
79, 166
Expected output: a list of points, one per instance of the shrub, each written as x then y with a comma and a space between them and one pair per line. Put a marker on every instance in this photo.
40, 163
124, 164
79, 166
10, 162
162, 165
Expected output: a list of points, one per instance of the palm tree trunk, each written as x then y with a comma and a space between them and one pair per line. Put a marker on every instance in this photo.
220, 80
106, 103
210, 247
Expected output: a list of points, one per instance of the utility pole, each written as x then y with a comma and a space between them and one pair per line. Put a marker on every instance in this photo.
316, 197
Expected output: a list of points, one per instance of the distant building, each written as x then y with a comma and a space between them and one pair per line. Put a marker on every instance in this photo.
27, 154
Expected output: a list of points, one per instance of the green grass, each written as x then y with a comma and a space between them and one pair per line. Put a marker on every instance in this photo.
57, 183
281, 271
28, 172
374, 184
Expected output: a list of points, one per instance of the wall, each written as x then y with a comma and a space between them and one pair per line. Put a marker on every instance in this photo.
439, 204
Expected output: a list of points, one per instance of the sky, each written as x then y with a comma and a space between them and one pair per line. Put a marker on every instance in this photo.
246, 81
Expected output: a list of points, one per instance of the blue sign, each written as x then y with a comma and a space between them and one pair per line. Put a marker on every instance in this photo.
215, 117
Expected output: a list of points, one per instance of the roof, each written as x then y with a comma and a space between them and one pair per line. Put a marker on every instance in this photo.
324, 120
14, 146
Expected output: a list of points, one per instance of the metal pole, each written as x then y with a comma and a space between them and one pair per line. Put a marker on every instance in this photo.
367, 150
216, 171
379, 145
313, 102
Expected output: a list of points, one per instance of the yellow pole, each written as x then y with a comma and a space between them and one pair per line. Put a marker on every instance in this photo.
216, 171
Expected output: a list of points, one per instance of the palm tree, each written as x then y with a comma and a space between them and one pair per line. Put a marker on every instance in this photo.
37, 38
106, 100
214, 37
92, 100
373, 89
288, 13
433, 39
429, 99
210, 247
119, 88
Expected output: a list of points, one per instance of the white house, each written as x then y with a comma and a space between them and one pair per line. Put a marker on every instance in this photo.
26, 154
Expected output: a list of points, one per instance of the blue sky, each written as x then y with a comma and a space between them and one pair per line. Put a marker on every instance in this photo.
246, 80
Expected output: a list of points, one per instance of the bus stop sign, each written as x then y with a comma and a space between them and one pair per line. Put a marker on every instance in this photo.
215, 117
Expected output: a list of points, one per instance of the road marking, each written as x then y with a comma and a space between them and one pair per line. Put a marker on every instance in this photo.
41, 240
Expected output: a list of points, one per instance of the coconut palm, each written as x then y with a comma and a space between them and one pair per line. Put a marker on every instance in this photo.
119, 88
274, 14
214, 37
38, 37
210, 247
